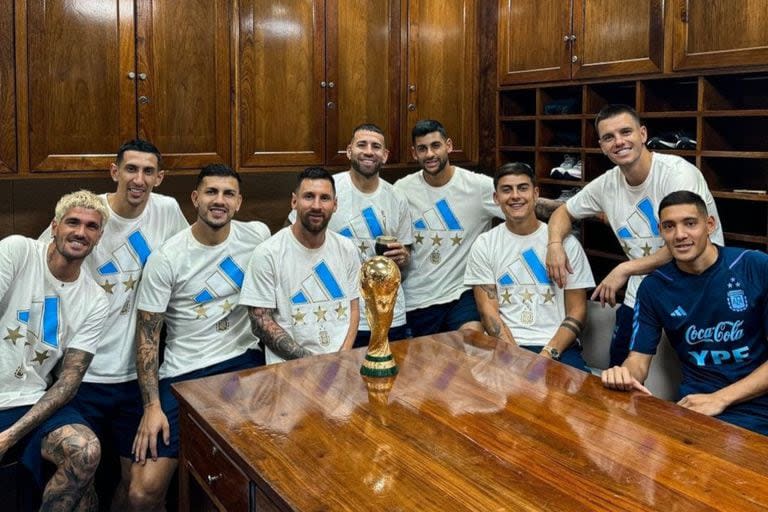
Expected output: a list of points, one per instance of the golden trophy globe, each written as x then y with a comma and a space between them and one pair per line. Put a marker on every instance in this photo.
379, 282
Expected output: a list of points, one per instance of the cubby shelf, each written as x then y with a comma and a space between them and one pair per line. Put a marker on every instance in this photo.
726, 114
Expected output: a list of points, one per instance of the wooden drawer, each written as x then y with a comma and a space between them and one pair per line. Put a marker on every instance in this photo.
213, 470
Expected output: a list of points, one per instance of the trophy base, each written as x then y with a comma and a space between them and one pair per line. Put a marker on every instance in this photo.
379, 366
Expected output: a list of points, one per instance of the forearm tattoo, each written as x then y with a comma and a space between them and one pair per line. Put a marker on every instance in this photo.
573, 325
492, 325
490, 291
73, 367
264, 326
546, 207
147, 354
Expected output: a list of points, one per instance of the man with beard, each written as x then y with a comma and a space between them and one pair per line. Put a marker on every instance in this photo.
192, 284
51, 313
628, 195
302, 285
450, 207
140, 221
718, 331
369, 207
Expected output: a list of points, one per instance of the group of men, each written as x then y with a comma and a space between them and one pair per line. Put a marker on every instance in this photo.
231, 296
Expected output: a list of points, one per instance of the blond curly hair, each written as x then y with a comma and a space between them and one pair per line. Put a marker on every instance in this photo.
81, 199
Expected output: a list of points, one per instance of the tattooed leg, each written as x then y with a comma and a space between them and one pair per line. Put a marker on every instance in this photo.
75, 451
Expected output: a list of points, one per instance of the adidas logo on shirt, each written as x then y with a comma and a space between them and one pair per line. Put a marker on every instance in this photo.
679, 312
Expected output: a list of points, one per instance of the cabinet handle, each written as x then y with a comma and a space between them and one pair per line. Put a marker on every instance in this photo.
131, 75
331, 105
214, 450
323, 84
331, 85
575, 58
213, 478
566, 38
142, 76
411, 107
143, 100
572, 37
412, 88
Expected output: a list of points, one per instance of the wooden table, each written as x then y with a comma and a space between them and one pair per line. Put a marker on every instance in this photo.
469, 424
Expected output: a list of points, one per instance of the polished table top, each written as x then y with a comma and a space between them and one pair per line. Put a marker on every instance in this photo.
472, 424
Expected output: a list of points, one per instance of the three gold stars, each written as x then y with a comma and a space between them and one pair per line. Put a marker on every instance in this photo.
13, 335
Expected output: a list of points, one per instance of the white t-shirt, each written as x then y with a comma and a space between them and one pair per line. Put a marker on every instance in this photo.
362, 217
40, 318
446, 222
197, 287
116, 264
530, 304
311, 289
632, 211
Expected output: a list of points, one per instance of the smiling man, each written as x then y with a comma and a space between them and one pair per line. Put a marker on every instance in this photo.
450, 207
628, 195
192, 284
51, 313
711, 302
517, 301
302, 285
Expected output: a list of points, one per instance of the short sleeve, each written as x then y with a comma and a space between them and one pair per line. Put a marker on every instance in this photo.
582, 272
479, 270
646, 332
156, 284
586, 202
260, 284
89, 334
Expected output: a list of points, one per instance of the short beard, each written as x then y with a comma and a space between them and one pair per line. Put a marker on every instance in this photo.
314, 229
356, 167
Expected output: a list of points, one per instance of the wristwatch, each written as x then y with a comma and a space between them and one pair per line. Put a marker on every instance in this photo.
553, 352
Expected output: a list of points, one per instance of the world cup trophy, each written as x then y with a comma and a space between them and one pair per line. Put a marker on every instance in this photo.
379, 282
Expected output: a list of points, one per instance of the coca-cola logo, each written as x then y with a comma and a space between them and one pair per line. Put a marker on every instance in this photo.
722, 332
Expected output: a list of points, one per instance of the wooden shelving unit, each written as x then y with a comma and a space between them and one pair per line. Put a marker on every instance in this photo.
727, 114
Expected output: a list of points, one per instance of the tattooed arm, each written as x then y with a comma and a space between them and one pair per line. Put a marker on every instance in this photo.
73, 367
546, 207
264, 326
488, 307
154, 420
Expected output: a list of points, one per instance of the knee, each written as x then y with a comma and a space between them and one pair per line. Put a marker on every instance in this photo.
75, 446
144, 495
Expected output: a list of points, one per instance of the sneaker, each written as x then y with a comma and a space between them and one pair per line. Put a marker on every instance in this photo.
574, 173
560, 171
567, 193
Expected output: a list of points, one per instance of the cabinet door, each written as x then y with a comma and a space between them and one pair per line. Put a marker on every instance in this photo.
532, 40
280, 68
183, 80
363, 56
7, 90
720, 33
612, 39
442, 71
80, 104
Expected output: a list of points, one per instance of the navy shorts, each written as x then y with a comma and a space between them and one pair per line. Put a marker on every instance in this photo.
395, 333
28, 449
111, 409
622, 335
444, 317
249, 359
571, 356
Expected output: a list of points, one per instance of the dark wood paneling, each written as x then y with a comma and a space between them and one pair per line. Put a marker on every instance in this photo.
184, 72
81, 102
487, 22
7, 89
442, 81
281, 110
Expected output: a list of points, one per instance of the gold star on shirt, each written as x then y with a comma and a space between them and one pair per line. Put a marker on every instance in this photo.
341, 311
107, 286
626, 247
226, 307
13, 335
436, 240
40, 357
298, 317
201, 312
506, 297
419, 238
647, 249
456, 240
549, 296
363, 247
526, 295
130, 283
320, 314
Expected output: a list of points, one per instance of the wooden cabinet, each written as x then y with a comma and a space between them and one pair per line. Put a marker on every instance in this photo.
441, 71
94, 74
719, 33
727, 116
7, 90
308, 72
546, 40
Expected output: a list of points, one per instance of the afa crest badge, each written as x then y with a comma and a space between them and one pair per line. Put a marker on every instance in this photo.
737, 300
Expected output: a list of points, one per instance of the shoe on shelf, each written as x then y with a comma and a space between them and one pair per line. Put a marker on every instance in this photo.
672, 140
567, 193
574, 173
562, 106
559, 171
